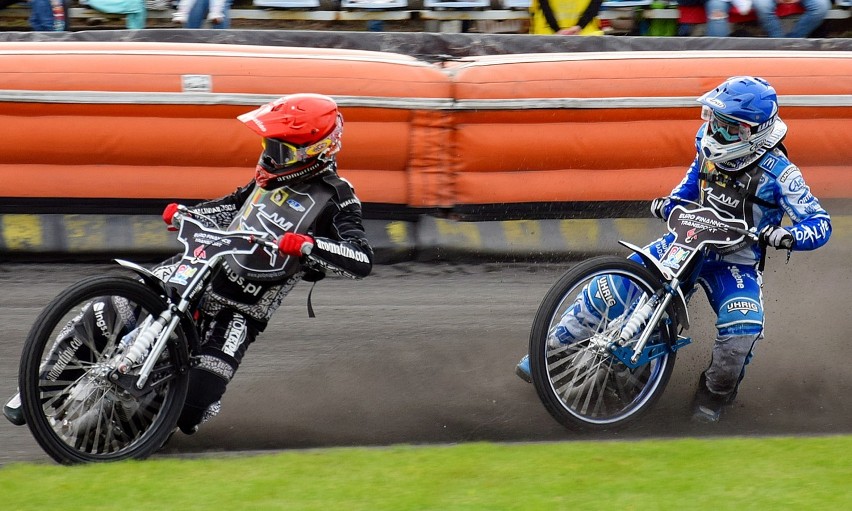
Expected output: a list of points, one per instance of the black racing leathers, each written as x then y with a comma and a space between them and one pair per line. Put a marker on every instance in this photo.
244, 295
341, 246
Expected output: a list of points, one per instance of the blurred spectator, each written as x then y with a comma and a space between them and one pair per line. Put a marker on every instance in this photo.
565, 17
135, 11
181, 13
193, 13
49, 15
685, 29
717, 15
810, 20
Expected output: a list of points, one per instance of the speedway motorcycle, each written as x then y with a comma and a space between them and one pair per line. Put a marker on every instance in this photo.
620, 365
105, 368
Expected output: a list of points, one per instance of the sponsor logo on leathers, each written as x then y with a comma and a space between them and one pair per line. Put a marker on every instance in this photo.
742, 306
342, 250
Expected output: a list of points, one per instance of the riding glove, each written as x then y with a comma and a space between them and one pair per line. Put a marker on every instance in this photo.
169, 214
295, 245
658, 207
776, 236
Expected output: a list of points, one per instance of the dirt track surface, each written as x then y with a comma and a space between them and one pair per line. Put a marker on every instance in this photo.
424, 353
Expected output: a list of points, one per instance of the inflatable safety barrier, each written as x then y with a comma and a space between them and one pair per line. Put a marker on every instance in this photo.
158, 120
616, 126
145, 123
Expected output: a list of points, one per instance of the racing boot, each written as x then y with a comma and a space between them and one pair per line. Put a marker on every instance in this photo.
523, 369
190, 421
13, 411
707, 405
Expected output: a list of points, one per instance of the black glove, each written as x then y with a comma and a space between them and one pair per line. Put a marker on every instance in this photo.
658, 207
775, 236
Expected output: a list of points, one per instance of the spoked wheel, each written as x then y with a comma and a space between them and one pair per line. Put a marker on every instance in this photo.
72, 408
575, 374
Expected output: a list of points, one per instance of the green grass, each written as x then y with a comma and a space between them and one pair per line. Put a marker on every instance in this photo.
691, 474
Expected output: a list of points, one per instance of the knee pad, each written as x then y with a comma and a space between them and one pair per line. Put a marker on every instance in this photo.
207, 383
740, 316
229, 333
224, 345
207, 380
731, 353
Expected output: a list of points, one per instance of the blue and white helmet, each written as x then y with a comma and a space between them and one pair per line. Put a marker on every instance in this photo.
742, 122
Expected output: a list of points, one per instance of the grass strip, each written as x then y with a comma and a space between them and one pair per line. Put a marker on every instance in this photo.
684, 474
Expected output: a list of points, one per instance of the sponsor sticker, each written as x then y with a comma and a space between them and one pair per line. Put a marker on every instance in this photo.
295, 205
183, 274
676, 256
279, 196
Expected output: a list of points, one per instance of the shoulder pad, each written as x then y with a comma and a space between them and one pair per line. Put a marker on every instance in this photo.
343, 190
775, 163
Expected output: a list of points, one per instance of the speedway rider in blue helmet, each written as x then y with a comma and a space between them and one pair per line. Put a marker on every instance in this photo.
740, 169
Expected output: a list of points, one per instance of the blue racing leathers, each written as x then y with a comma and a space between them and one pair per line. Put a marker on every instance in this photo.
761, 194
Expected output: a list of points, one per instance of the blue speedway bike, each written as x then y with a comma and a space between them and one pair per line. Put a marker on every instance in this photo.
623, 321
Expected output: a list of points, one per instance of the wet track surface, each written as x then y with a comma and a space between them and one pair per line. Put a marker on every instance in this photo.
424, 353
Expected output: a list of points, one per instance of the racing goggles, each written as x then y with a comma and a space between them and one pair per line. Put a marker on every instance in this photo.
725, 129
278, 155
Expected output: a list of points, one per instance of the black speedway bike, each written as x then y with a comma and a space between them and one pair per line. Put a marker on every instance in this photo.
621, 363
105, 368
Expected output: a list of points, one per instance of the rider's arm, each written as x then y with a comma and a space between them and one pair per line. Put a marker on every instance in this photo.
340, 243
811, 223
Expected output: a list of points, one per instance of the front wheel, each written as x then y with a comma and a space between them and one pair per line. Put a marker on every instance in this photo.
579, 381
73, 409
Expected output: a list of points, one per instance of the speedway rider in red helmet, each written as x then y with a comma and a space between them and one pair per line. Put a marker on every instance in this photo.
297, 197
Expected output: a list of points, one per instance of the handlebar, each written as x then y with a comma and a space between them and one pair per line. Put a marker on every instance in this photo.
181, 212
748, 233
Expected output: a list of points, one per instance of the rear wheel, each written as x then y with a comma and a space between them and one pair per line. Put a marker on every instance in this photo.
575, 374
72, 408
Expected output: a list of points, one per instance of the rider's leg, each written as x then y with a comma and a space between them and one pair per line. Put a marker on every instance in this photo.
604, 297
599, 299
734, 292
226, 340
90, 330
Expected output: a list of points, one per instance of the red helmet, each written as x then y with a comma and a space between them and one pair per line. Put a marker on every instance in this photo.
301, 132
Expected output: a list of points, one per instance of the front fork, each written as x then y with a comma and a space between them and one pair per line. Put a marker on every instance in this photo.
648, 313
153, 339
149, 344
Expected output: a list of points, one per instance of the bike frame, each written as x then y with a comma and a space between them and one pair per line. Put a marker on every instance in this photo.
697, 231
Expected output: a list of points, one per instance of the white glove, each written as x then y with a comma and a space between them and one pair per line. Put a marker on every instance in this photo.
775, 236
658, 207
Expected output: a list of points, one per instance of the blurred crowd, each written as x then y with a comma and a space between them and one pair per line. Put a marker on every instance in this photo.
773, 18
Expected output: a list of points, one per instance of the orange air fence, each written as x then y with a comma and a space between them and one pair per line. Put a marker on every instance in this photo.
158, 120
